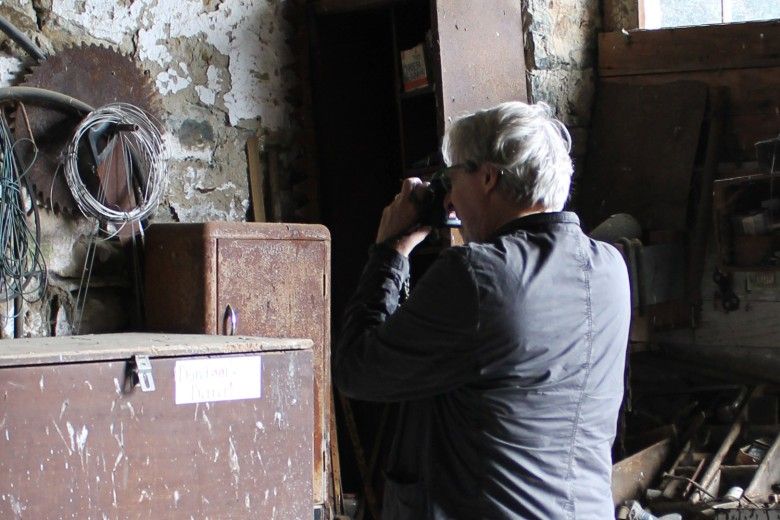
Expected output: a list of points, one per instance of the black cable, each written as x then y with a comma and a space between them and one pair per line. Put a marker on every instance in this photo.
21, 39
42, 96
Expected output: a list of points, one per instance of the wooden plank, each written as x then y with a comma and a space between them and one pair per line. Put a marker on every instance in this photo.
71, 349
767, 475
632, 476
708, 47
642, 136
256, 178
758, 327
752, 91
275, 182
752, 104
473, 40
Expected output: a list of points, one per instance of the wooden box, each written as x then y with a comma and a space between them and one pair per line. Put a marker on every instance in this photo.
273, 278
220, 428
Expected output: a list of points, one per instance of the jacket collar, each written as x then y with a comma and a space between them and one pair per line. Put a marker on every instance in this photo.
536, 220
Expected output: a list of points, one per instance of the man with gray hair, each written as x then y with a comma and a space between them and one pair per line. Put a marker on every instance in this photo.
508, 355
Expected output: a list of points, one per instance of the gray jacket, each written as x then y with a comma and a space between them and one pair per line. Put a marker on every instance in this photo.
508, 360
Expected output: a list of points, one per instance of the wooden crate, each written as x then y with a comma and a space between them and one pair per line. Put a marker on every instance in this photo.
225, 432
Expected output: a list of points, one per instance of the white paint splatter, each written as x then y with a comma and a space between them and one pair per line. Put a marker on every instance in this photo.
247, 502
9, 68
64, 407
119, 457
233, 461
278, 419
72, 436
117, 387
178, 151
89, 385
258, 429
206, 420
16, 506
170, 82
144, 495
81, 442
40, 384
176, 498
105, 20
59, 432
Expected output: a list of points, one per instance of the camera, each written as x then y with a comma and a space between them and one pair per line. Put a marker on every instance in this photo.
432, 211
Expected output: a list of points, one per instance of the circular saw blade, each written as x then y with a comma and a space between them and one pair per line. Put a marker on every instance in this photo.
93, 74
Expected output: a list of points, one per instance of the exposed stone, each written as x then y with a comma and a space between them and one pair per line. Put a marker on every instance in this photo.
562, 33
42, 11
196, 134
621, 14
569, 91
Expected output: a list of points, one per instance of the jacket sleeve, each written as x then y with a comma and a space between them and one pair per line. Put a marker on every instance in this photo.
393, 352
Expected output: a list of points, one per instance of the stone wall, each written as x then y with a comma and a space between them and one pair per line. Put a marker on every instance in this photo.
560, 49
223, 69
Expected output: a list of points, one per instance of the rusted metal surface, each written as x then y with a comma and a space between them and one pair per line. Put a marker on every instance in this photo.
95, 75
481, 55
633, 475
75, 444
276, 277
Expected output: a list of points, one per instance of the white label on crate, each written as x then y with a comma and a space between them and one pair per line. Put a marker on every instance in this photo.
217, 379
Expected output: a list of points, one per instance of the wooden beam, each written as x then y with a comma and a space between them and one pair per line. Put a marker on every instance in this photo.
701, 48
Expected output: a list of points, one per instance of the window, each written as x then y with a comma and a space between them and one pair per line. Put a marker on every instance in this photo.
656, 14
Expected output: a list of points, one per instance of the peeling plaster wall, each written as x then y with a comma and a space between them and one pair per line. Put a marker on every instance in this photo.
224, 69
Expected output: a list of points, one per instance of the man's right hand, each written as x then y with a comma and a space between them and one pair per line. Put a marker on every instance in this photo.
399, 226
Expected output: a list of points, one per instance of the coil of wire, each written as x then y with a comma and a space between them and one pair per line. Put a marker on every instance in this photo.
143, 148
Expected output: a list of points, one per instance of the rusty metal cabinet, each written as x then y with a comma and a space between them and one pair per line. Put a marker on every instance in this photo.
221, 428
248, 278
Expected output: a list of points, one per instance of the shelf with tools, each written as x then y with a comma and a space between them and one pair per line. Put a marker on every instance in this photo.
747, 222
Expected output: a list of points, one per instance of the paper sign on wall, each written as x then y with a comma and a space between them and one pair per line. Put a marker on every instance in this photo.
217, 379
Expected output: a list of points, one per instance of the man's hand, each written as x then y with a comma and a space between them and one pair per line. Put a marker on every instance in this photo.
399, 226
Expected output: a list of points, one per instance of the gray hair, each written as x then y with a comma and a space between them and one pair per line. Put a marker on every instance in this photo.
526, 142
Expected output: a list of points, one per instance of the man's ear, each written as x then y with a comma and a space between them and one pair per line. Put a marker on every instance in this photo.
489, 176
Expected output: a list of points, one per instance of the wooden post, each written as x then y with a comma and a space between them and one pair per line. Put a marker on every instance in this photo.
256, 178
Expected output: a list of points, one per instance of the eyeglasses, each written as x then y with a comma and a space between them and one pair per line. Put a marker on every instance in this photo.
470, 166
446, 174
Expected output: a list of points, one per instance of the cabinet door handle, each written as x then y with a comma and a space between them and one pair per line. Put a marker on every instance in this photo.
229, 322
